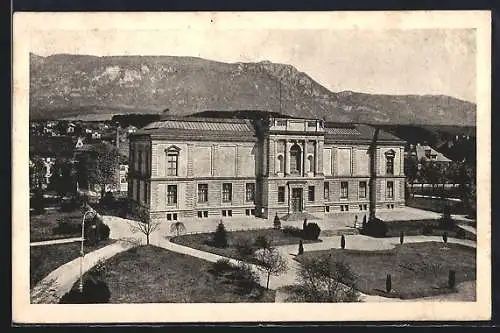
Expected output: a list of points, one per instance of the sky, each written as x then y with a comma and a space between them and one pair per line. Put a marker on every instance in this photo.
417, 61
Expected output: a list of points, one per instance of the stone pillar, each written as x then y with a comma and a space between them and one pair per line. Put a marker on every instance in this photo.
319, 158
304, 157
272, 157
287, 156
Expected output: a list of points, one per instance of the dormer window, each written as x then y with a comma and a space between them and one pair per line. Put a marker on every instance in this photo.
172, 160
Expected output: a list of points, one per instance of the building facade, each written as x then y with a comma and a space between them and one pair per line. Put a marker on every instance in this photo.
211, 167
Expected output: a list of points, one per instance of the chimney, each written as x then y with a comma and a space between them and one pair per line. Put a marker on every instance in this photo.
373, 175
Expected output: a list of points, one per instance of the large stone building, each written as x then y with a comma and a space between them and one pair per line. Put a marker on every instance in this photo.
212, 167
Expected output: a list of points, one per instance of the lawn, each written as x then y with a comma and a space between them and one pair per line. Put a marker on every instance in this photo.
42, 225
149, 274
44, 259
203, 242
417, 269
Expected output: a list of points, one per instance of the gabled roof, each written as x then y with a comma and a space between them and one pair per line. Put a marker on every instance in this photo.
439, 157
356, 132
201, 129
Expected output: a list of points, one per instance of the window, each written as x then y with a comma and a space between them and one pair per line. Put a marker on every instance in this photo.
250, 192
169, 217
174, 216
327, 209
205, 213
295, 159
344, 208
172, 194
202, 193
389, 162
389, 191
362, 190
310, 193
172, 164
227, 192
280, 163
139, 154
326, 193
172, 160
200, 214
146, 196
344, 190
247, 212
281, 193
280, 122
228, 212
311, 124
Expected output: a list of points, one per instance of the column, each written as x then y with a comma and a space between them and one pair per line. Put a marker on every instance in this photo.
304, 156
287, 156
272, 157
319, 153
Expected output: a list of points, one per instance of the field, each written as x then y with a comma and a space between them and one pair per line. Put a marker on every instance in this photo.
203, 241
44, 259
417, 269
149, 274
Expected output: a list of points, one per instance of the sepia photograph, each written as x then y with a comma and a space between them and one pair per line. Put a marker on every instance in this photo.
293, 166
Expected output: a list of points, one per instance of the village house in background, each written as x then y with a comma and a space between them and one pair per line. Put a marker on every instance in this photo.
212, 167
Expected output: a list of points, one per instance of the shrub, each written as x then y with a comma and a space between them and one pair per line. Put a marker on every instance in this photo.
301, 247
292, 231
342, 242
427, 230
220, 236
451, 279
93, 292
304, 225
262, 242
221, 266
103, 231
68, 206
277, 222
311, 231
245, 277
364, 222
446, 222
401, 237
375, 228
38, 201
244, 246
445, 237
388, 283
460, 233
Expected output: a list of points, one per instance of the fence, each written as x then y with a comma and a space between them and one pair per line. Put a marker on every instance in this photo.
435, 190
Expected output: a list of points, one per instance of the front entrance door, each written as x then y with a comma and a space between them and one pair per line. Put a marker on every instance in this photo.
296, 200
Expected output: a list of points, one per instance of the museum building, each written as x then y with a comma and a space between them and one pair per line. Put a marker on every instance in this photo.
192, 167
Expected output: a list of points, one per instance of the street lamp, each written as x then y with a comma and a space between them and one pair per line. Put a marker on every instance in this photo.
82, 254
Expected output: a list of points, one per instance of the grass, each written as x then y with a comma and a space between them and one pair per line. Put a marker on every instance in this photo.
203, 241
42, 225
44, 259
417, 269
149, 274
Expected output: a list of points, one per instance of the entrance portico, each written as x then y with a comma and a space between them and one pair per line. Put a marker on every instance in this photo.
296, 200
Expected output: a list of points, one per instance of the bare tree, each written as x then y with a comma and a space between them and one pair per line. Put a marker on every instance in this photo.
324, 280
178, 228
144, 225
271, 263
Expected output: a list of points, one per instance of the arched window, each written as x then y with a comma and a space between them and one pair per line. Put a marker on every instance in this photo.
280, 163
172, 154
310, 161
295, 153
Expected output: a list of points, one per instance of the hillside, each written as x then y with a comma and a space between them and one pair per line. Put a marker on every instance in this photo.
76, 85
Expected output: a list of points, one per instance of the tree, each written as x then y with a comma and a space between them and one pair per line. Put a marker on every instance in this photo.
178, 228
99, 167
144, 225
271, 263
324, 280
262, 242
220, 236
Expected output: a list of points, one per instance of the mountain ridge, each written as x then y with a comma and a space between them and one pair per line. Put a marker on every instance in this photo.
62, 85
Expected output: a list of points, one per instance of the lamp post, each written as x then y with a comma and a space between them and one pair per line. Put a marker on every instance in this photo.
82, 254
